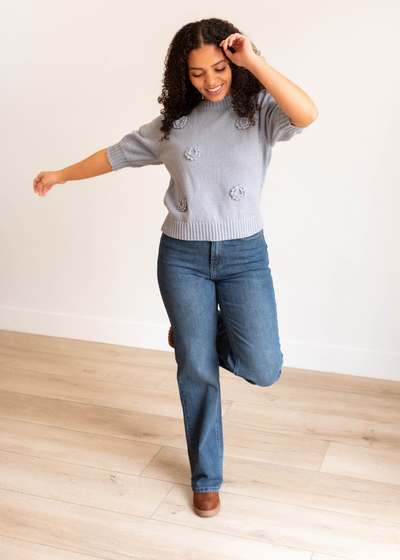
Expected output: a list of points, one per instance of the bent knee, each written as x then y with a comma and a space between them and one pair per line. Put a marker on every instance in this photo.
267, 373
269, 378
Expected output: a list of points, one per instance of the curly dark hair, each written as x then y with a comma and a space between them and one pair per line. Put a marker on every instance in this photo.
179, 96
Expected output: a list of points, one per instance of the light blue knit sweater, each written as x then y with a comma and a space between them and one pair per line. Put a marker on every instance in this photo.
217, 163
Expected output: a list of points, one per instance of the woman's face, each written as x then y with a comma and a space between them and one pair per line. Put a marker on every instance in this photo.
209, 68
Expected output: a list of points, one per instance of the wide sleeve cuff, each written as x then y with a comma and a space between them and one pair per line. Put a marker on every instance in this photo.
276, 123
117, 157
283, 130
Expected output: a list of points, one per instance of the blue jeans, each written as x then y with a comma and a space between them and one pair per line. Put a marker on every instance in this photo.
195, 277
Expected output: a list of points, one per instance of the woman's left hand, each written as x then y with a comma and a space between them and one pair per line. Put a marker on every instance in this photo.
242, 45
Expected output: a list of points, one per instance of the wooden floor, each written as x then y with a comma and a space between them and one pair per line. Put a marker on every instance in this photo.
94, 464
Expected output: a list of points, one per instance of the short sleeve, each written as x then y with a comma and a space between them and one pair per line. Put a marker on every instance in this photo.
138, 148
274, 122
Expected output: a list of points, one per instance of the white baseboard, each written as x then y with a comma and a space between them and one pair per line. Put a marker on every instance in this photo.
302, 355
341, 359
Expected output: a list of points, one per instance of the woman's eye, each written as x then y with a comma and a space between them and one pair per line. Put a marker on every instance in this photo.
198, 75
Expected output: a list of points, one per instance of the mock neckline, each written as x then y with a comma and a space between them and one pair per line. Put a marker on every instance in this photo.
223, 104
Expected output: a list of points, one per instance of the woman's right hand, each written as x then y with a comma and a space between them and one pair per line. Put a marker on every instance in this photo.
45, 181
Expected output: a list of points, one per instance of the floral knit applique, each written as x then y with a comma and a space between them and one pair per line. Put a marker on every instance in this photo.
242, 123
192, 153
180, 123
182, 204
237, 192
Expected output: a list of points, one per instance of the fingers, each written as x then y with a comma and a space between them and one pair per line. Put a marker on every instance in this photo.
40, 188
37, 184
229, 40
41, 183
45, 190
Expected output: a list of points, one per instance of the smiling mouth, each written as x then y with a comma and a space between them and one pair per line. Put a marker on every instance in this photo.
214, 90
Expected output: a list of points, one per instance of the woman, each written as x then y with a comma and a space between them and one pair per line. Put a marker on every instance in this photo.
224, 108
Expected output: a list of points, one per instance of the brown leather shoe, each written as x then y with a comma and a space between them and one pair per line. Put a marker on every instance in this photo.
171, 337
206, 503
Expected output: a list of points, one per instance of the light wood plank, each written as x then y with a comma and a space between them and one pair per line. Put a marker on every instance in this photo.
76, 447
76, 484
340, 382
118, 536
15, 549
331, 427
366, 464
317, 556
289, 485
304, 451
79, 368
92, 419
113, 395
88, 349
305, 528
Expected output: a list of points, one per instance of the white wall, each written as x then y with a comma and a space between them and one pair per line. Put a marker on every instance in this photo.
81, 261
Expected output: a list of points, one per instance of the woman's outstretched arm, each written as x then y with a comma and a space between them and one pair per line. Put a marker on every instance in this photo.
94, 165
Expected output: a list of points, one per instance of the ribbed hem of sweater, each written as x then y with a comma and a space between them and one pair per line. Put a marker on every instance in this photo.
212, 231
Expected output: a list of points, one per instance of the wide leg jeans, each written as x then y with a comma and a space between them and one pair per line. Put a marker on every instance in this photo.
195, 278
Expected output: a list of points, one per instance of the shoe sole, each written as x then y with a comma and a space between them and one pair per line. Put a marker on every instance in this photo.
207, 512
